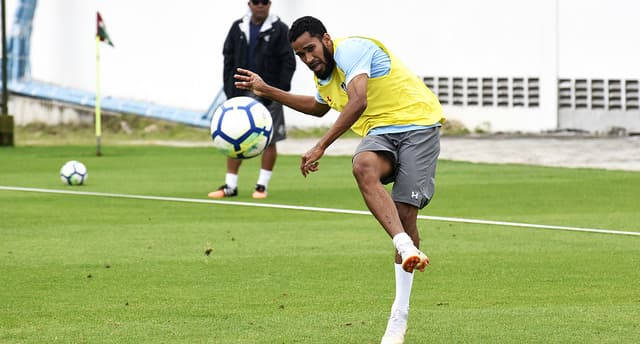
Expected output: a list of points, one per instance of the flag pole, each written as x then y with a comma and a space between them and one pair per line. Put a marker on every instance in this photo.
101, 36
98, 115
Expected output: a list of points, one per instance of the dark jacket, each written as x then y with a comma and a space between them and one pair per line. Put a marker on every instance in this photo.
274, 58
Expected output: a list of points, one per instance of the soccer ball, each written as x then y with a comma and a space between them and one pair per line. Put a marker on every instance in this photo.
73, 173
241, 128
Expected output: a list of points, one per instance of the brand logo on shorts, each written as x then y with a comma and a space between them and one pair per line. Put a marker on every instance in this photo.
414, 195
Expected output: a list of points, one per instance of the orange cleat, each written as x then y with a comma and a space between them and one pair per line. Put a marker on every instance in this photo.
415, 260
260, 193
223, 191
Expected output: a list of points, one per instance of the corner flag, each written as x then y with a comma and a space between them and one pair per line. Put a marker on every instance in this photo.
101, 36
101, 31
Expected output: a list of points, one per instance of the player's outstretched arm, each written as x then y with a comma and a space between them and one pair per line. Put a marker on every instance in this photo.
250, 81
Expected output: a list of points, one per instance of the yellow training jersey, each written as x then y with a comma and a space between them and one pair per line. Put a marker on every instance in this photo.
397, 98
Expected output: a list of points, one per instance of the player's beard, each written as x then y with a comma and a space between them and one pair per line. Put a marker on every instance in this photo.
329, 64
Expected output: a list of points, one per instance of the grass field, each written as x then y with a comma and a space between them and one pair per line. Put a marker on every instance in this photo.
95, 269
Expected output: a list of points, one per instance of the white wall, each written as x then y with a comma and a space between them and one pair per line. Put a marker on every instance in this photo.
170, 52
599, 39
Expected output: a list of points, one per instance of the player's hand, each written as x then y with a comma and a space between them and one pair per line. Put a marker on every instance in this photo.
250, 81
309, 162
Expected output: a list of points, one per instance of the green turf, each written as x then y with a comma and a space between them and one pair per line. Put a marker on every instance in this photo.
90, 269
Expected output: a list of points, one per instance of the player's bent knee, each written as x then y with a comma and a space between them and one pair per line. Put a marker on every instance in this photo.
369, 165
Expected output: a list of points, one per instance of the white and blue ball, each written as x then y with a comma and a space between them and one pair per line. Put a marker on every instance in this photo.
73, 173
241, 128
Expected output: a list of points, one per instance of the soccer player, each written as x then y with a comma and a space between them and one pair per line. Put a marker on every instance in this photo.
380, 99
257, 41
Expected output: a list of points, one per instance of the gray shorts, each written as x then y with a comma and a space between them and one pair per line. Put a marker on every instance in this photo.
277, 114
414, 155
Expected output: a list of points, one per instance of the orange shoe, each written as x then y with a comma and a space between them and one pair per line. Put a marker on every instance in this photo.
415, 260
260, 193
223, 191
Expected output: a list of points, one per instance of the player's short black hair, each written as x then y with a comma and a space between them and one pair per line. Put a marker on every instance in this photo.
309, 24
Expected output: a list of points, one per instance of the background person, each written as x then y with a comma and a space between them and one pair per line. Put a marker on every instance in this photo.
258, 42
381, 99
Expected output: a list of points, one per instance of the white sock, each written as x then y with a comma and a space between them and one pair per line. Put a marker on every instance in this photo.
231, 180
404, 282
403, 242
265, 176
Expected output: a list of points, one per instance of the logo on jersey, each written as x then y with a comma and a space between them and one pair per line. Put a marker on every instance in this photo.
343, 86
329, 100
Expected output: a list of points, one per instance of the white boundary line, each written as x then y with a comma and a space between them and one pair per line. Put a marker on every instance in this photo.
317, 209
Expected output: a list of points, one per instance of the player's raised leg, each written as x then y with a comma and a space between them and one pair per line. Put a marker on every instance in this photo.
368, 168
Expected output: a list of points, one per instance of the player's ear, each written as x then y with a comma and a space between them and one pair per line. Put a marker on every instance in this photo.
326, 40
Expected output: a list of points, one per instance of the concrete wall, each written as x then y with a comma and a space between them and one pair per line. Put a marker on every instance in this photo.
27, 110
